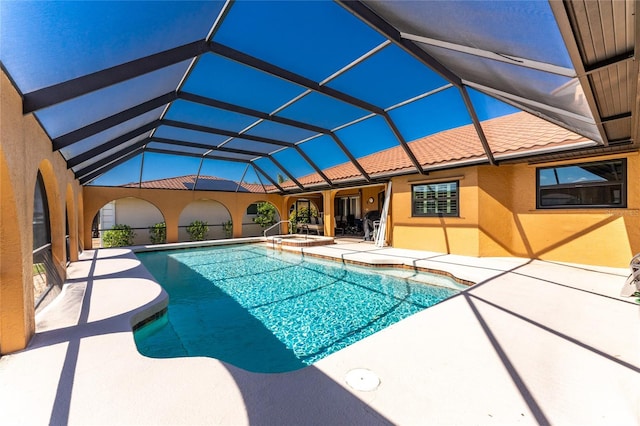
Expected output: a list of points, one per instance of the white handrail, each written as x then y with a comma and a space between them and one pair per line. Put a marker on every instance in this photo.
273, 226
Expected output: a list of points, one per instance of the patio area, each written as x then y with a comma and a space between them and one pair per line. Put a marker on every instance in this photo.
533, 342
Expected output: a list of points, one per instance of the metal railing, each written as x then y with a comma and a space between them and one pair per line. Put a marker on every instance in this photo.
273, 226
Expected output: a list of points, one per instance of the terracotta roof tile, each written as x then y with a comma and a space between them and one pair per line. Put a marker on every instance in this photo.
510, 134
210, 183
515, 133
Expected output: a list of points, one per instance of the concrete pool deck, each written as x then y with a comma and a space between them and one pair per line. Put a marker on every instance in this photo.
534, 342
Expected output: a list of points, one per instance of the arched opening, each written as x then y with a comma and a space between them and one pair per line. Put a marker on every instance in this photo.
127, 221
212, 213
47, 282
258, 217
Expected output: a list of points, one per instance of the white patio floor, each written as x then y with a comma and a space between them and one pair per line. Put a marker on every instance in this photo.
534, 342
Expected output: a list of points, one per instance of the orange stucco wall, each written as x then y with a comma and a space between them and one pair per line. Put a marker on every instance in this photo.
498, 217
25, 149
442, 234
171, 203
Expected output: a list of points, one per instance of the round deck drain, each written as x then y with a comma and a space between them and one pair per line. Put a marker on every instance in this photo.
362, 379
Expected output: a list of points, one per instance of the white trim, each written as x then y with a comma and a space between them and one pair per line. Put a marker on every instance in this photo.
501, 57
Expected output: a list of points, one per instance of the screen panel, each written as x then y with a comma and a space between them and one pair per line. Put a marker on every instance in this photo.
308, 38
75, 113
442, 111
126, 173
389, 77
81, 34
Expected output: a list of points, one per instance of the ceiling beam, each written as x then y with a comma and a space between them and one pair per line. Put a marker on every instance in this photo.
88, 177
362, 12
570, 37
113, 157
250, 112
222, 132
48, 96
206, 147
477, 125
606, 63
276, 71
102, 148
106, 123
285, 171
353, 160
315, 167
255, 166
403, 143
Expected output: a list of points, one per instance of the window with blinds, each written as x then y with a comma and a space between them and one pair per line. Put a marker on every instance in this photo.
435, 199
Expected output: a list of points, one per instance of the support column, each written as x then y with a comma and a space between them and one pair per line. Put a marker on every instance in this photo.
328, 208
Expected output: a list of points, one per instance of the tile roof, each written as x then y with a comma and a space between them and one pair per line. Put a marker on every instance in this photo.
205, 183
515, 134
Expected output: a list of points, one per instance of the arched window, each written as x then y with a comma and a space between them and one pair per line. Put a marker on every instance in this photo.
45, 274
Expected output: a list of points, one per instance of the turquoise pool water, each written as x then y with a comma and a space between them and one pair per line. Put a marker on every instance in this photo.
270, 311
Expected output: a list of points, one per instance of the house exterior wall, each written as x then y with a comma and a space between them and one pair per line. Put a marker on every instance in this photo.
498, 217
25, 149
442, 234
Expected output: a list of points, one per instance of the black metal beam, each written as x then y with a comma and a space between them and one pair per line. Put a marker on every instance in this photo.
99, 172
115, 156
477, 126
106, 123
259, 114
315, 167
234, 151
250, 112
207, 147
353, 160
289, 175
274, 70
255, 166
616, 117
606, 63
87, 155
372, 19
403, 144
216, 131
70, 89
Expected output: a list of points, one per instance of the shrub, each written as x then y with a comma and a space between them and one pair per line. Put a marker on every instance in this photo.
302, 217
228, 228
198, 230
266, 215
158, 233
118, 236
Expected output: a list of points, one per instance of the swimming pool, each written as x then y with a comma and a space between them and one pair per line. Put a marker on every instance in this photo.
271, 311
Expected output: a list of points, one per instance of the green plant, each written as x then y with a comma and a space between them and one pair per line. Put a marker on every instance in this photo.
198, 230
158, 233
118, 236
228, 228
302, 216
266, 215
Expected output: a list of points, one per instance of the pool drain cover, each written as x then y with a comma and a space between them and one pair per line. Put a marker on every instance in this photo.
362, 379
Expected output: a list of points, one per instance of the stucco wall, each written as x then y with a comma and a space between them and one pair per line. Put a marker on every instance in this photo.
25, 149
442, 234
171, 204
498, 217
